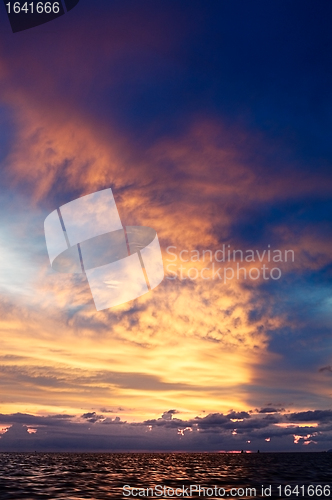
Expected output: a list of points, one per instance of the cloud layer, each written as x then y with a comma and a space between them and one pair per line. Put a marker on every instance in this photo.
235, 431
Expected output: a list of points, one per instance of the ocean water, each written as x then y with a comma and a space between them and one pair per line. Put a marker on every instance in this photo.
102, 476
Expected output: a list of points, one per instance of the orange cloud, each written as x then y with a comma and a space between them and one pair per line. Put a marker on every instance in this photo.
189, 344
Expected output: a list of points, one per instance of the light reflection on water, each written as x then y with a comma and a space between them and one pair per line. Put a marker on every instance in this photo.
77, 476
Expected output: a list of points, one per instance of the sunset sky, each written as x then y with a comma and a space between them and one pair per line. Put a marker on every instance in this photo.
211, 122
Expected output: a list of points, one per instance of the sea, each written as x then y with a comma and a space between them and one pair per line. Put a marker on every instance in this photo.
77, 476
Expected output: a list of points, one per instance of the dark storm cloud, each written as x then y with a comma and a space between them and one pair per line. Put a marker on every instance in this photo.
214, 432
214, 422
311, 416
271, 410
238, 414
23, 418
167, 415
93, 417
